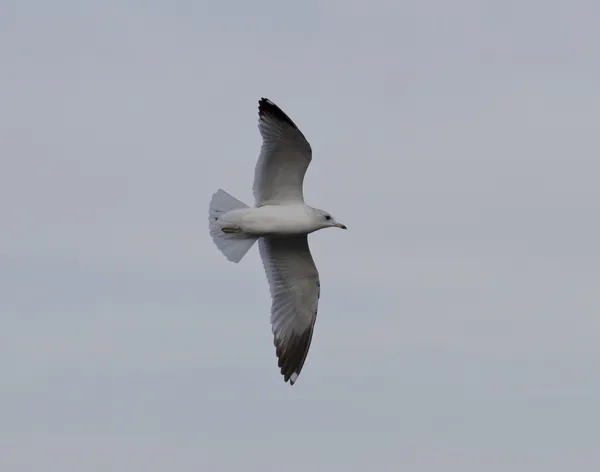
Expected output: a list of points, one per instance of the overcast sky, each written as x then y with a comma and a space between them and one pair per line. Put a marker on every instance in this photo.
459, 315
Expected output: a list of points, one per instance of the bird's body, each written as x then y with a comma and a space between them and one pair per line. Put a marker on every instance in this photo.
273, 220
280, 222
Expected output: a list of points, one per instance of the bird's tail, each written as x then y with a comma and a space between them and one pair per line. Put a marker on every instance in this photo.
234, 245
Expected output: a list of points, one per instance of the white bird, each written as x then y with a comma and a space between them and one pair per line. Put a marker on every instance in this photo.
281, 222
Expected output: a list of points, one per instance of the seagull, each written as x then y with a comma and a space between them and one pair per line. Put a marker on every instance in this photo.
280, 221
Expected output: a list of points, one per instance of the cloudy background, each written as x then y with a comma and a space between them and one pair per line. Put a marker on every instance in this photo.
459, 318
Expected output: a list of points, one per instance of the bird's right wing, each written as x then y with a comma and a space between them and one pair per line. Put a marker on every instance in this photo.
295, 289
284, 157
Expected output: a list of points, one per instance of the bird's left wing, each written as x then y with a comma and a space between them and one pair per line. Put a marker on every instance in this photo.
295, 289
284, 157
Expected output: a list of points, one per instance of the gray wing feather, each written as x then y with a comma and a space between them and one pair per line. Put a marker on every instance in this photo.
295, 290
284, 157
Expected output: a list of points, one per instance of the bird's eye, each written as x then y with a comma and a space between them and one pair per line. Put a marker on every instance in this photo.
327, 217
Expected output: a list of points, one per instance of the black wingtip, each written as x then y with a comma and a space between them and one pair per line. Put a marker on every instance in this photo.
291, 360
266, 107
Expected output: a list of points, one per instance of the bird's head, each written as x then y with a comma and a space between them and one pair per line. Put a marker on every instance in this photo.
328, 221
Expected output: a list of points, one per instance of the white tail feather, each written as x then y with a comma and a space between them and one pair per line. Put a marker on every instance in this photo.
233, 245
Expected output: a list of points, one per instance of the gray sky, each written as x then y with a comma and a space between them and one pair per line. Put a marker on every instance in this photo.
458, 324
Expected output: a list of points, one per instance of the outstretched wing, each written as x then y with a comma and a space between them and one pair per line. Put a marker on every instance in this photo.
295, 289
284, 157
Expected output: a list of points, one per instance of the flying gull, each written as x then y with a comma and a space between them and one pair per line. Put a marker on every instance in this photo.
281, 222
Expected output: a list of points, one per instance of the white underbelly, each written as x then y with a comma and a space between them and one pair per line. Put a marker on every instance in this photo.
277, 220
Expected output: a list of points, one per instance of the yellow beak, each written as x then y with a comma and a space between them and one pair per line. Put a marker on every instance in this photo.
340, 225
